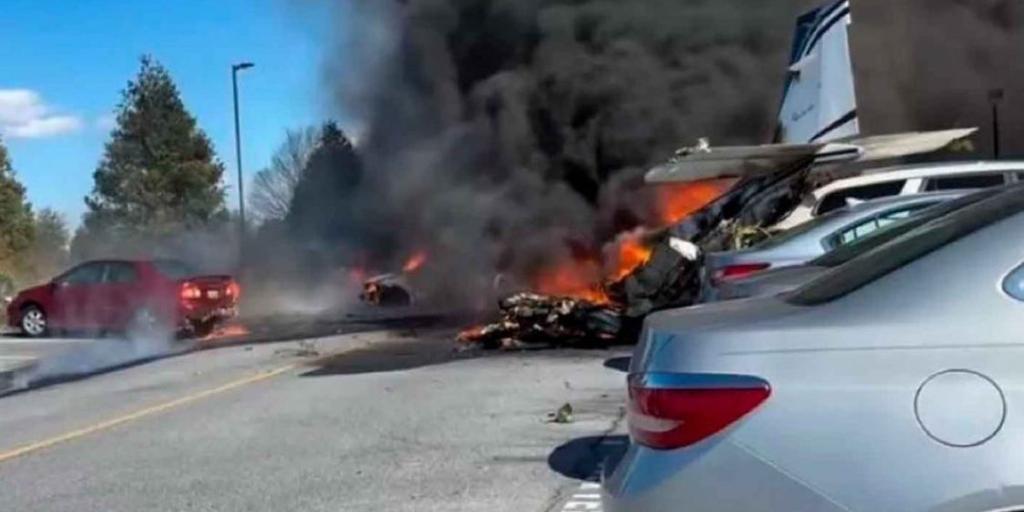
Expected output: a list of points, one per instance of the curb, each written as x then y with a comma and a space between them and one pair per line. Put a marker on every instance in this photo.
15, 378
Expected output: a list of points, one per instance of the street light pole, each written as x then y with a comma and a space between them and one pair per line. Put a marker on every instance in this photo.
995, 96
235, 68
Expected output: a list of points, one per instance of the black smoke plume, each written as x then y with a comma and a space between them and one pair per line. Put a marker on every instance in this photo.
506, 136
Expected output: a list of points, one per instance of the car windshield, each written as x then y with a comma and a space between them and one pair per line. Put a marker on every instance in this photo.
847, 252
175, 269
911, 246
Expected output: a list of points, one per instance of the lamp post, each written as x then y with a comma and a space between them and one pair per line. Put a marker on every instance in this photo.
995, 96
235, 68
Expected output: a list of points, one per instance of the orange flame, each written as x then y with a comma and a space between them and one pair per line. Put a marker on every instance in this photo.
676, 201
630, 252
415, 262
579, 280
233, 330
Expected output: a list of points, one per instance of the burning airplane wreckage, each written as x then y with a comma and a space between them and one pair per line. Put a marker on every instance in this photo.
772, 181
818, 140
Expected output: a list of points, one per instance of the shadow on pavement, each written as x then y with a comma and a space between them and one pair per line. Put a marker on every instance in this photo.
391, 356
585, 458
618, 363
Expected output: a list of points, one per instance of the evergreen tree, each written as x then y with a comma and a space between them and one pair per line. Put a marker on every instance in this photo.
159, 173
334, 171
16, 230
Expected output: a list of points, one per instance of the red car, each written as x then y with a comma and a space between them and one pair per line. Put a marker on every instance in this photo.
123, 295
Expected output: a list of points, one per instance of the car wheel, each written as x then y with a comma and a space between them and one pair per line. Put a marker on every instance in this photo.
203, 328
33, 322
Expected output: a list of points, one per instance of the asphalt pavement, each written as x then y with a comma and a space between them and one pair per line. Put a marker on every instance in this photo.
382, 420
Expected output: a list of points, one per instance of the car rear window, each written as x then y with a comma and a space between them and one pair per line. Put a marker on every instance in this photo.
850, 251
909, 247
874, 226
838, 199
174, 269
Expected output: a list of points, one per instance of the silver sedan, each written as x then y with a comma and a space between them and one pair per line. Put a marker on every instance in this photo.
813, 239
820, 235
888, 383
778, 280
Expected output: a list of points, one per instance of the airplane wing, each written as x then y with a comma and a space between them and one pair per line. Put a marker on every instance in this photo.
706, 162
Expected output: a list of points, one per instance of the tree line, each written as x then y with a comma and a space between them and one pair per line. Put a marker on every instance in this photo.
160, 178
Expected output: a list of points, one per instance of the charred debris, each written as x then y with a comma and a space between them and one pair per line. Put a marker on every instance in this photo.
771, 181
669, 278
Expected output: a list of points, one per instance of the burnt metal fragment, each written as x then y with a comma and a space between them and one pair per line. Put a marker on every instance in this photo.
528, 318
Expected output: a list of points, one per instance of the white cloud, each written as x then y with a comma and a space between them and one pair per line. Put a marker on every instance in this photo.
24, 114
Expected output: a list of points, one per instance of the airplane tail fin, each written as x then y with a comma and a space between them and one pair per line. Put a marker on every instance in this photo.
819, 102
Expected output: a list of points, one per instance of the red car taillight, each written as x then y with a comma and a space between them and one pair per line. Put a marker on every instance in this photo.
234, 290
740, 270
190, 291
668, 411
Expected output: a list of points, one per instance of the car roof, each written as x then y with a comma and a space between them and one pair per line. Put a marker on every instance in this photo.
883, 203
903, 172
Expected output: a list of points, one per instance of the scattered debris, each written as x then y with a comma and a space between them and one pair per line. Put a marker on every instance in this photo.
563, 415
305, 348
308, 348
387, 290
532, 318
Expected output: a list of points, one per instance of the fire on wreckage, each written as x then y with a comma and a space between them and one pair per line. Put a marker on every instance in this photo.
393, 289
772, 181
768, 183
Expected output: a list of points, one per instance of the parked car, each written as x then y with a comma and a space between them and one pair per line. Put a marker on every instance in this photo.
886, 383
778, 280
904, 180
122, 295
816, 237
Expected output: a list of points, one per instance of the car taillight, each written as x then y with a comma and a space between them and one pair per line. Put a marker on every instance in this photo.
234, 290
741, 270
190, 291
668, 410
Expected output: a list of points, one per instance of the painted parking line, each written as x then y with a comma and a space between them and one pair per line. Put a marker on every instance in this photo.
148, 411
165, 406
587, 497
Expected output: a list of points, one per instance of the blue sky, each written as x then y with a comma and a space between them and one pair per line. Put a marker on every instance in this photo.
65, 63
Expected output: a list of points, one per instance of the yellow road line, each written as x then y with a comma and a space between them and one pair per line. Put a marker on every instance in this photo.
148, 411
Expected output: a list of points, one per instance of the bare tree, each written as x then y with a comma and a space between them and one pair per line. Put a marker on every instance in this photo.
273, 187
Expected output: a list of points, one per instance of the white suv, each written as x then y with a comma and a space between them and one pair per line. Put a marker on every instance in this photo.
904, 180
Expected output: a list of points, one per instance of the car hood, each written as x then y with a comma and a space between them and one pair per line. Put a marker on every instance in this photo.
33, 291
